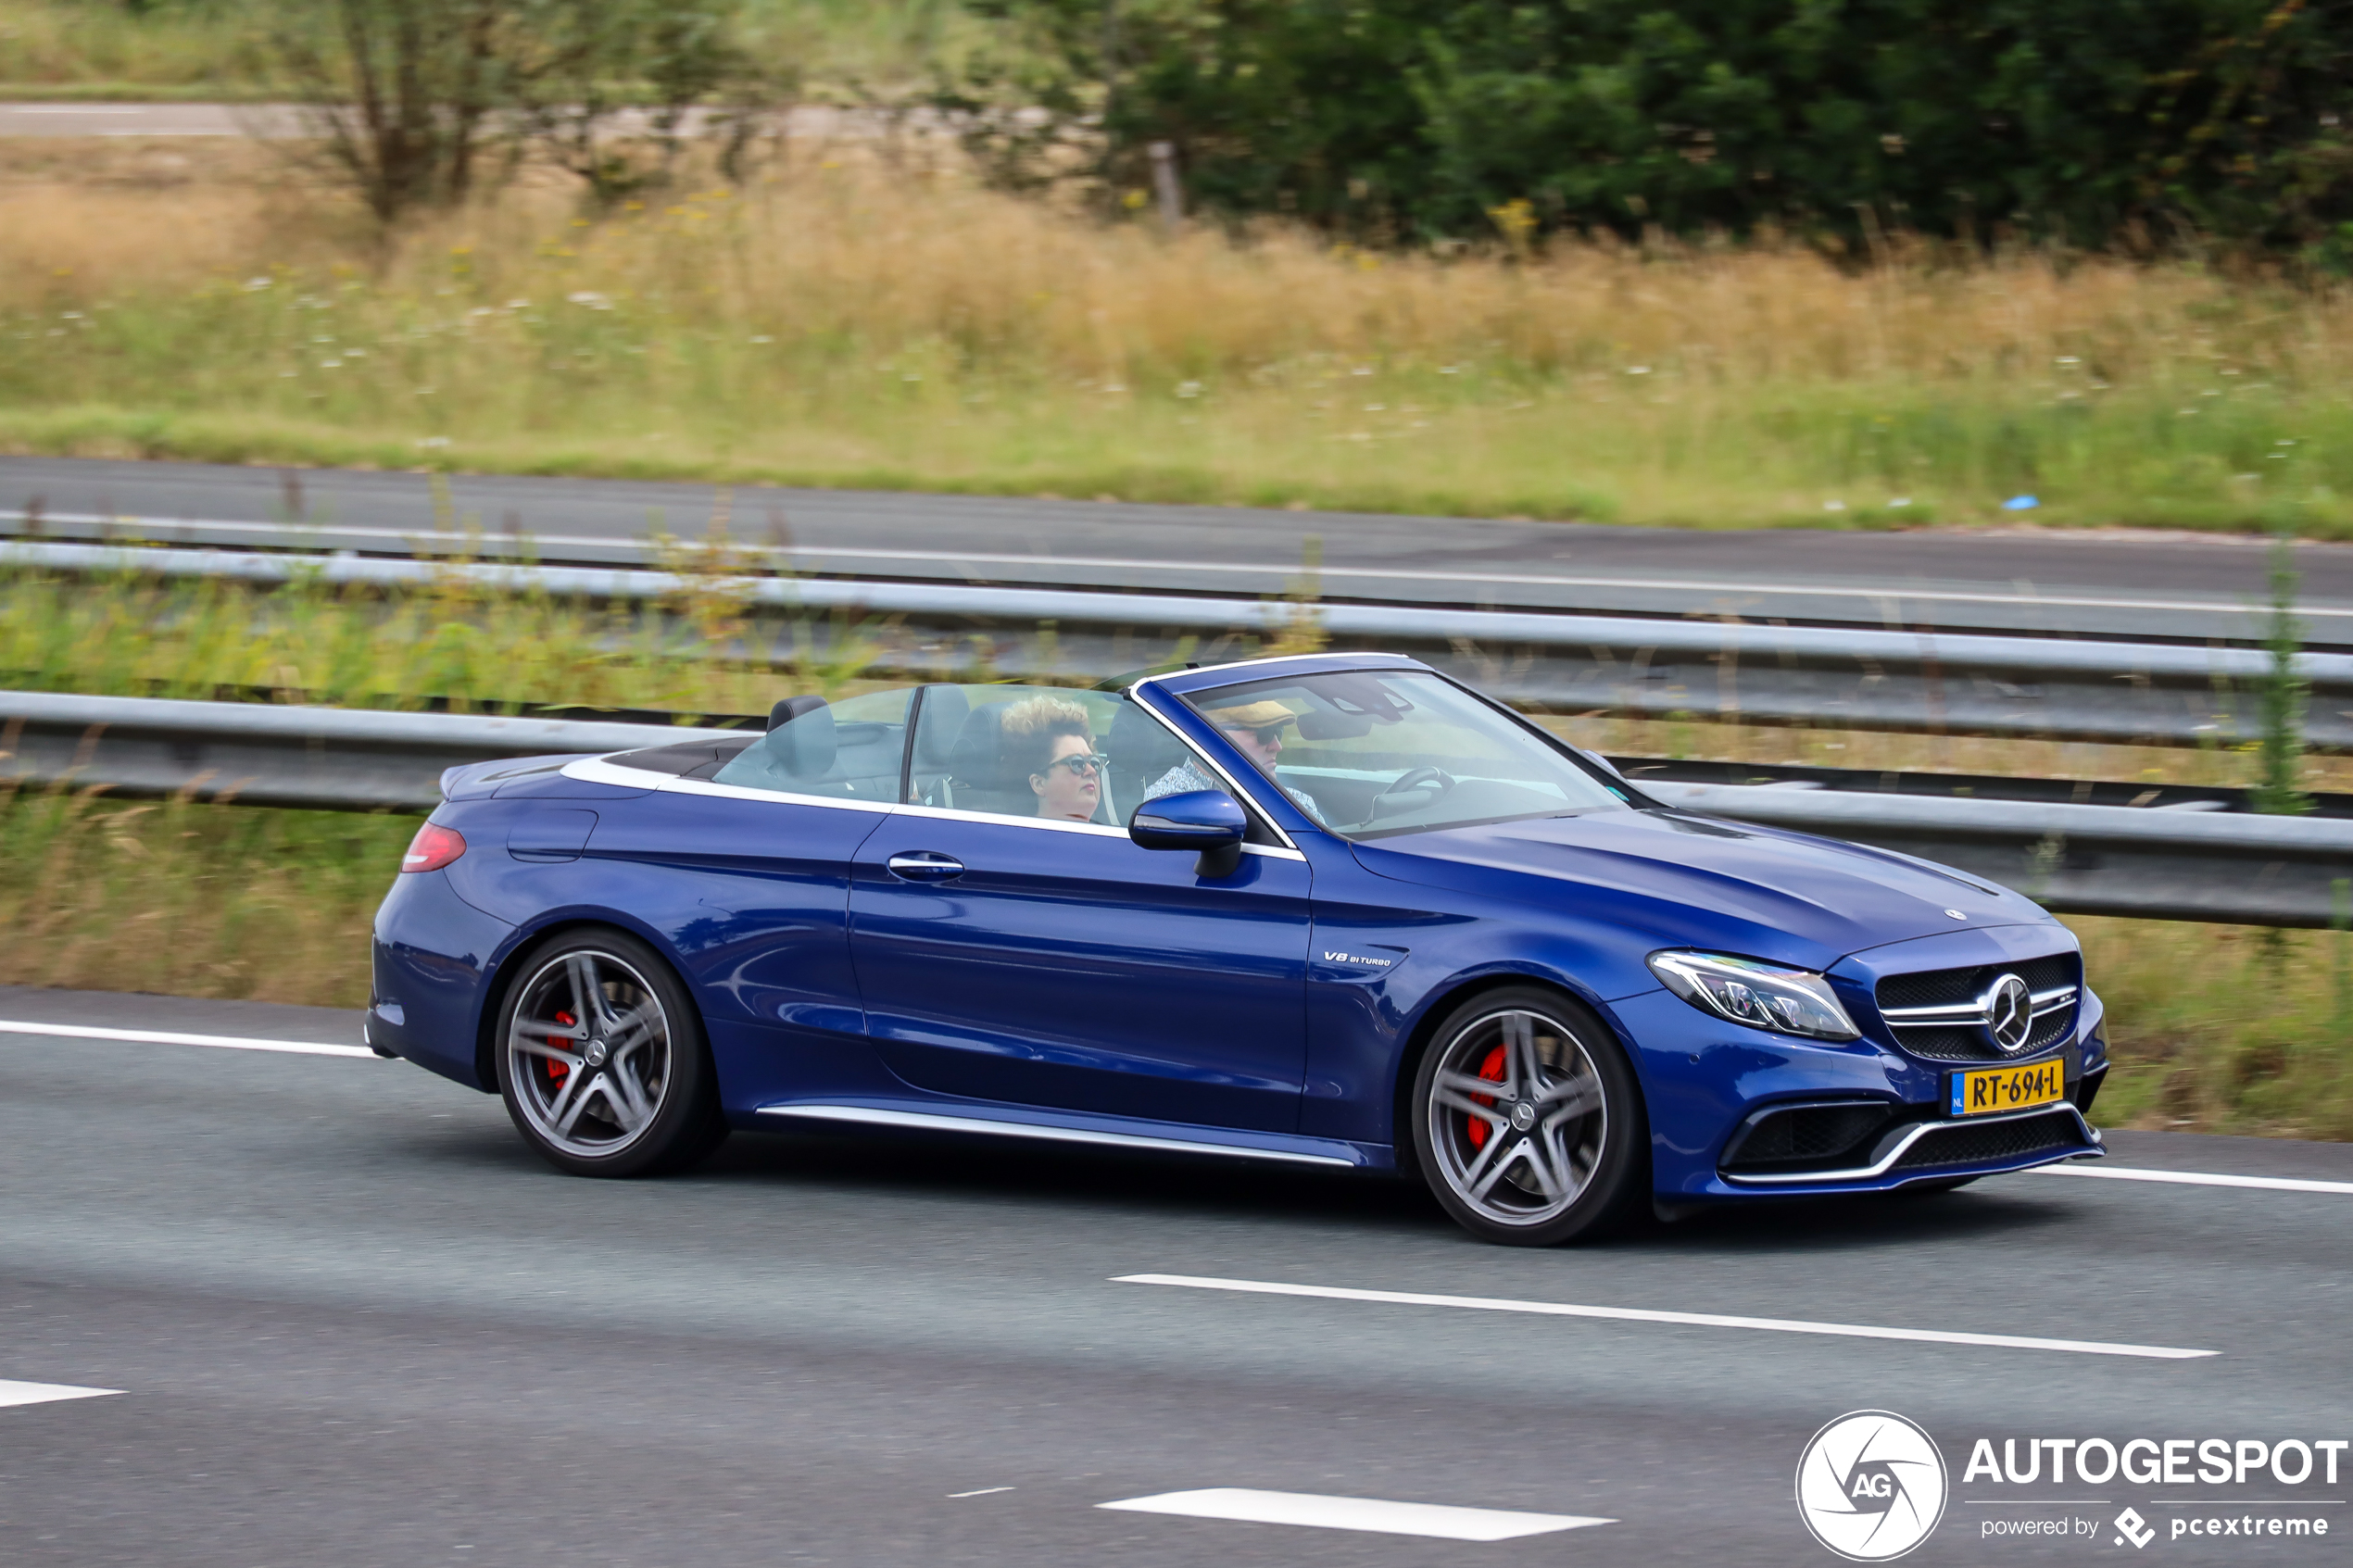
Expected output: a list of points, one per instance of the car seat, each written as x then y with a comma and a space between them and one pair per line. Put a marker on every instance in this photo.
978, 772
1141, 749
940, 724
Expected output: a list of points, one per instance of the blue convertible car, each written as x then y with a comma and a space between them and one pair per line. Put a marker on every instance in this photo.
1336, 910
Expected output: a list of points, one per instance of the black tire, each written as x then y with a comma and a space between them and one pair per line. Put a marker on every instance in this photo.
631, 1092
1569, 1161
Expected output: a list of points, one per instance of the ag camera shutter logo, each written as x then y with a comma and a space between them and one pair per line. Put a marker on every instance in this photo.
1870, 1486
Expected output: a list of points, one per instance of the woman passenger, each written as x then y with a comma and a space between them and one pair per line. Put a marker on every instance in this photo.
1049, 737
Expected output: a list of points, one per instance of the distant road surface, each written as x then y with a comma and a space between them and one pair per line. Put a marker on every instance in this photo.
2144, 586
347, 1319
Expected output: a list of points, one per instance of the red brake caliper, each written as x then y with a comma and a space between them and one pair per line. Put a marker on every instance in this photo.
557, 1071
1493, 1070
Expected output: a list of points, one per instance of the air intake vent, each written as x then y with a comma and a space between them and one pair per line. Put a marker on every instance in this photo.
1963, 1143
1807, 1135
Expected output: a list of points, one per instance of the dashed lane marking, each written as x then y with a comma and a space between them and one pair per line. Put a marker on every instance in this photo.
2193, 1178
169, 1037
1438, 1520
1695, 1320
43, 1393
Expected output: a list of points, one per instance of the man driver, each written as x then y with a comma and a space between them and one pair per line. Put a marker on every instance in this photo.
1256, 729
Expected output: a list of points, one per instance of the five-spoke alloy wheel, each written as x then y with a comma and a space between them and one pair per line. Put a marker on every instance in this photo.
601, 1060
1527, 1119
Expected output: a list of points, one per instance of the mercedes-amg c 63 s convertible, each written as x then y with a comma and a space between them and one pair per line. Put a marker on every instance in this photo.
1334, 910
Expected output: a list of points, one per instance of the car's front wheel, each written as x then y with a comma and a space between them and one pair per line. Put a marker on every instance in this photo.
1528, 1121
601, 1060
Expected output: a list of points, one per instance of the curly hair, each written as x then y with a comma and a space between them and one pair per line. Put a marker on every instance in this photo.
1032, 725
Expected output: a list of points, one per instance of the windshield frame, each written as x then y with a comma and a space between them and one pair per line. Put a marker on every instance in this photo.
1626, 796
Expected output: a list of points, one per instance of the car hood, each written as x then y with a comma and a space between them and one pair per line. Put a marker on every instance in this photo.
1701, 882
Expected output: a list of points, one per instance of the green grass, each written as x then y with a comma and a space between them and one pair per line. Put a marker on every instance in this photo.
682, 406
449, 643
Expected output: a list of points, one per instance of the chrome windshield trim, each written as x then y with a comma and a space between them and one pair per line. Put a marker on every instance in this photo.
924, 1121
1919, 1130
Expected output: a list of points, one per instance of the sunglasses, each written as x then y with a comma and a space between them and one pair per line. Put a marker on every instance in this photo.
1266, 734
1079, 762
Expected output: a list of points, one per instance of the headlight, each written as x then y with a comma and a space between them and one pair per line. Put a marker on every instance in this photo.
1762, 996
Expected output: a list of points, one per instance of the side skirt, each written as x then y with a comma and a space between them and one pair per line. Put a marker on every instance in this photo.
1325, 1152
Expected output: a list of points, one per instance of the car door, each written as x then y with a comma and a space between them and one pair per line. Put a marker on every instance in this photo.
1052, 963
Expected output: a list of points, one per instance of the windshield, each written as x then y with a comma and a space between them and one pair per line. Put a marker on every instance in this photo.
1372, 752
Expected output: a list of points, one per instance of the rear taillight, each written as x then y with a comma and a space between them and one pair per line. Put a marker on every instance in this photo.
433, 847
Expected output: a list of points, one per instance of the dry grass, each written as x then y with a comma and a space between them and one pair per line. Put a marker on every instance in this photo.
869, 315
191, 900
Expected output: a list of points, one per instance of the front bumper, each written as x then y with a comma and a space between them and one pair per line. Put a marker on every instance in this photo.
1707, 1083
1941, 1149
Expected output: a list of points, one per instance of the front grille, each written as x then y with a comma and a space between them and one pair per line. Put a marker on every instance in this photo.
1948, 1040
1963, 1143
1803, 1133
1944, 988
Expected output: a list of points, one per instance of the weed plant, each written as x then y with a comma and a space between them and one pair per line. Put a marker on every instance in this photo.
868, 316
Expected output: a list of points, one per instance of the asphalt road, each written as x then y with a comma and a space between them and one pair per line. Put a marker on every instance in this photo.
2105, 583
353, 1322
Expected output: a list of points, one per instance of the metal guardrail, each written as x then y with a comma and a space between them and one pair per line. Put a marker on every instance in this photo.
1823, 677
2093, 859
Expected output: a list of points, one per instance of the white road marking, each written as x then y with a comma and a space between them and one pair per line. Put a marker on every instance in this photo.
2193, 1178
1643, 1315
803, 554
43, 1393
1447, 1524
983, 1492
168, 1037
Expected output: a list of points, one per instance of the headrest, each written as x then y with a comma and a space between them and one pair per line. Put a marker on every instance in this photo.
800, 737
791, 709
939, 725
978, 756
1141, 743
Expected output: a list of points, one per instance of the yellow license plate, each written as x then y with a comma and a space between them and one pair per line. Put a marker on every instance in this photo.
1996, 1089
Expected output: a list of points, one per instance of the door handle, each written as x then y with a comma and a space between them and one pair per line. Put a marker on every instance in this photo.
926, 865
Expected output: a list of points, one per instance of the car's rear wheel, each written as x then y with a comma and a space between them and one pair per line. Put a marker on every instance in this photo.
1527, 1121
601, 1060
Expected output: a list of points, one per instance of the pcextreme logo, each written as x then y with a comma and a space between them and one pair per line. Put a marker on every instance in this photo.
1870, 1486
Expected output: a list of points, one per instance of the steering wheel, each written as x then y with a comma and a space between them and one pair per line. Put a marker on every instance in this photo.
1417, 778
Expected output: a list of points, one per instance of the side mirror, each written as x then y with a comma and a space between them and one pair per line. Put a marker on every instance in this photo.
1209, 822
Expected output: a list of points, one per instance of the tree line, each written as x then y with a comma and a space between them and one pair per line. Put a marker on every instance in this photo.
2098, 123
